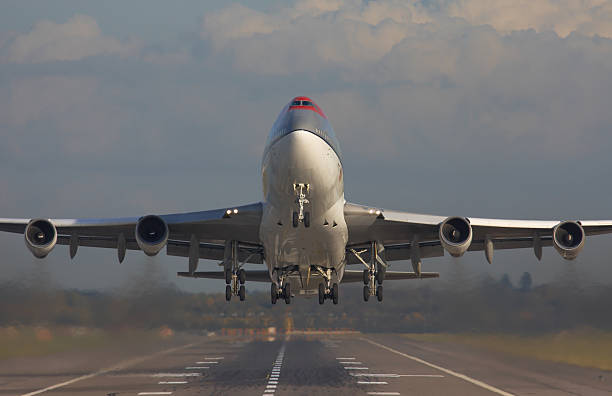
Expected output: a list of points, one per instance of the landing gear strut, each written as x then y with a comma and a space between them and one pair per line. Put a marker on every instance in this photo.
235, 275
282, 292
374, 273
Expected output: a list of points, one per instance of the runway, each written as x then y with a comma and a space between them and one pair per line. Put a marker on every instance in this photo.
304, 364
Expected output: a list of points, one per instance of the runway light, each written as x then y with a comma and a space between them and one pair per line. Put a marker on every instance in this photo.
235, 211
371, 211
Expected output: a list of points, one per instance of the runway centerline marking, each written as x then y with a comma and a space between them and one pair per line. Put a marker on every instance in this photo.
372, 382
384, 393
172, 382
276, 368
118, 366
176, 375
345, 358
444, 370
351, 362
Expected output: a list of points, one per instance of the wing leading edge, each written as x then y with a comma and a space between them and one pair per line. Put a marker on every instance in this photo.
397, 232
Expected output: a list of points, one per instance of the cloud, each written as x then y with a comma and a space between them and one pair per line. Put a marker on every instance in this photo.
588, 17
437, 74
80, 37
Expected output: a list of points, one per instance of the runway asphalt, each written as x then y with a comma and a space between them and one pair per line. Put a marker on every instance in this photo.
311, 364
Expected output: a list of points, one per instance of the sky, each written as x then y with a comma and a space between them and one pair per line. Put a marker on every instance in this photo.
451, 107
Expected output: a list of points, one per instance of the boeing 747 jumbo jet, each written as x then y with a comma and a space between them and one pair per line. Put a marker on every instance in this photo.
304, 231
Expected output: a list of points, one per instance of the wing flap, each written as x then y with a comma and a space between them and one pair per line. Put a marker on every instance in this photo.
357, 276
251, 276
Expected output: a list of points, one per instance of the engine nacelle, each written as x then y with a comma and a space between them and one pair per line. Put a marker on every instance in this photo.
456, 235
151, 234
40, 237
568, 239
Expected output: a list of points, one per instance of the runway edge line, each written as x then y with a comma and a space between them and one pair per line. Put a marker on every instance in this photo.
444, 370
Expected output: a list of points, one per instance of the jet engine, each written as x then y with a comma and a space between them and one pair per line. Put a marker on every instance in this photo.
151, 234
456, 235
568, 239
40, 237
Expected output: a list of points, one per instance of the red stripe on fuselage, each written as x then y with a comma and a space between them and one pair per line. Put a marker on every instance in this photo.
314, 108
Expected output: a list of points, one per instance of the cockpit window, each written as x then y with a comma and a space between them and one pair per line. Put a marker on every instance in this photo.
295, 103
306, 103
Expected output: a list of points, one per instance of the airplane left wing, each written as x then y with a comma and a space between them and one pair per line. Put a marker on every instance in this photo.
207, 231
402, 235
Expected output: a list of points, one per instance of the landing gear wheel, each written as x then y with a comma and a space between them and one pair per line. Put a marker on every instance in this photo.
366, 277
321, 293
366, 293
228, 293
242, 276
287, 293
295, 219
242, 293
307, 219
228, 276
334, 292
273, 293
380, 277
379, 293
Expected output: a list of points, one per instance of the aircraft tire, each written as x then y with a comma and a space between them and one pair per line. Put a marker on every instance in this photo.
228, 276
380, 277
242, 276
295, 219
228, 293
335, 293
366, 293
307, 219
273, 293
366, 277
242, 293
287, 293
321, 293
379, 293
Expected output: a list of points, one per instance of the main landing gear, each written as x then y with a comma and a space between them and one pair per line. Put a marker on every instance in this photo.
331, 293
235, 281
283, 292
235, 276
374, 274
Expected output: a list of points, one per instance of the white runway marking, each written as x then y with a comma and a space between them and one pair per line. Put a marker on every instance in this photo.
372, 382
396, 375
213, 358
118, 366
276, 368
172, 382
155, 393
345, 358
356, 368
207, 362
351, 362
195, 367
176, 375
444, 370
384, 393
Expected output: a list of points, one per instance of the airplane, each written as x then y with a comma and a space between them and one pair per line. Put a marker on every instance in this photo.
304, 230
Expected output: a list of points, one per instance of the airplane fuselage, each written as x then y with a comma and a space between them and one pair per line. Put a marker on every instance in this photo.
303, 230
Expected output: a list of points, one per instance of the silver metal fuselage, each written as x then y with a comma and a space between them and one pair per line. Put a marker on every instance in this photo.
302, 150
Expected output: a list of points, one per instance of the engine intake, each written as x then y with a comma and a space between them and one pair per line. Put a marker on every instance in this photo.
456, 235
40, 237
568, 239
151, 234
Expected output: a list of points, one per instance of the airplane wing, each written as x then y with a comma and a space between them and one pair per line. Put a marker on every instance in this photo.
207, 231
412, 236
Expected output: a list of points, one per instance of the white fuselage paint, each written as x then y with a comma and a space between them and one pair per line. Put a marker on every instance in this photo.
303, 157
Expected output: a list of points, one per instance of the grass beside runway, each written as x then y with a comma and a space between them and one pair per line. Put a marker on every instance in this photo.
22, 341
581, 347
